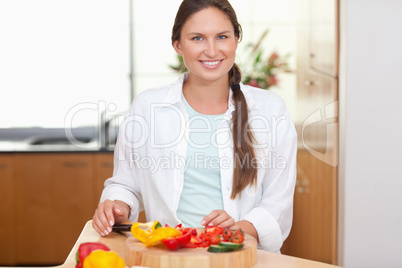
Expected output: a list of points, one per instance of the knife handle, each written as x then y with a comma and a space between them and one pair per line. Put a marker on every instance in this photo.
122, 227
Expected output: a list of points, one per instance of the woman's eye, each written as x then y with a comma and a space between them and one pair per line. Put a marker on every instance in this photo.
197, 38
222, 37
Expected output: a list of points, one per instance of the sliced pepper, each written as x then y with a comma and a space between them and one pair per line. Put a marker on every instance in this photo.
193, 231
183, 239
86, 248
142, 231
177, 242
196, 240
161, 233
214, 230
171, 243
103, 259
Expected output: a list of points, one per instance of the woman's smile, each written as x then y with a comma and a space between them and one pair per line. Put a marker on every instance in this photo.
211, 64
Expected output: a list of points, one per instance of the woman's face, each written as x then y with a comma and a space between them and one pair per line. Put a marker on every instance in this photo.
208, 45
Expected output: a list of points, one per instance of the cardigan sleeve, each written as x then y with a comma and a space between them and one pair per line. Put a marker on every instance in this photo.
272, 216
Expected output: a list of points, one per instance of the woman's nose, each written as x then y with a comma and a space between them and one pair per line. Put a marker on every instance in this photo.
211, 48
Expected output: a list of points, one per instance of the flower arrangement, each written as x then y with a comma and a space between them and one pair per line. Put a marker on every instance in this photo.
262, 73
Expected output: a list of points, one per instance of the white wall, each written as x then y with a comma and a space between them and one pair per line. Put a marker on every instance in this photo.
371, 134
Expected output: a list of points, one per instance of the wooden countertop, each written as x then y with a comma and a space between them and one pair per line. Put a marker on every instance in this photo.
116, 243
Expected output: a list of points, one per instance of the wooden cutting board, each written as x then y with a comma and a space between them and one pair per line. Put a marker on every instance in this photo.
159, 257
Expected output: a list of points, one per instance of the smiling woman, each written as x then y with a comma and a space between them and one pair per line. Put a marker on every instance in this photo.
243, 195
59, 54
205, 49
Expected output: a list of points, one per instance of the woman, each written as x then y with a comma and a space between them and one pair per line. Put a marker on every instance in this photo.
206, 150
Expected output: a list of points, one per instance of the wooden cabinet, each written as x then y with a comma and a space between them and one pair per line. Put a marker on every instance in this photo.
49, 198
313, 235
314, 232
7, 197
54, 200
103, 170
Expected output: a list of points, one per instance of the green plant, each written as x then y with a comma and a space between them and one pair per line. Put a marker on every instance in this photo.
264, 71
179, 67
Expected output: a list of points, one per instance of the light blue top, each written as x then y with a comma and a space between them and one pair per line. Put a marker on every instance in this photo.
202, 191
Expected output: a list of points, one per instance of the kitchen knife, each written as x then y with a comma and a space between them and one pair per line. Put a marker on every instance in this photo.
122, 227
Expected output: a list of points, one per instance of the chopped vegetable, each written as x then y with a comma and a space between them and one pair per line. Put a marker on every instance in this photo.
214, 230
196, 240
86, 248
234, 246
237, 238
227, 234
183, 239
103, 259
142, 231
214, 239
193, 231
218, 239
171, 243
231, 241
177, 242
219, 249
161, 233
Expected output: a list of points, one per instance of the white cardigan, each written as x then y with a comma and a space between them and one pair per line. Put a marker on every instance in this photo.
150, 153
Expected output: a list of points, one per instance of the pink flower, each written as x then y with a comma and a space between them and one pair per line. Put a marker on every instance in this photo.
271, 80
253, 83
274, 56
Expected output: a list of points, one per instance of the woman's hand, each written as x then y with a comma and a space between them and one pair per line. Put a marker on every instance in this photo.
107, 214
218, 218
246, 227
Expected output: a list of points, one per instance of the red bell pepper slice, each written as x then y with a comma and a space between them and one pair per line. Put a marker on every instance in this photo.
193, 231
190, 245
214, 230
177, 242
196, 240
214, 239
86, 248
204, 244
171, 243
183, 239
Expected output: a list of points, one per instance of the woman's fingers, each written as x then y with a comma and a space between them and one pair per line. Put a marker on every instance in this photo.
98, 221
104, 217
218, 218
121, 211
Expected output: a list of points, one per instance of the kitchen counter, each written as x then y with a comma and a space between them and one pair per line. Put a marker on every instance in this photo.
116, 243
23, 147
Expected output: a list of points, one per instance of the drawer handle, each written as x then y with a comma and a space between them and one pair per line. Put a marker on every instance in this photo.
106, 165
309, 83
302, 182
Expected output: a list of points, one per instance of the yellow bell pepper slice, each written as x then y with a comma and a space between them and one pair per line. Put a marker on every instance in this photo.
103, 259
161, 233
142, 231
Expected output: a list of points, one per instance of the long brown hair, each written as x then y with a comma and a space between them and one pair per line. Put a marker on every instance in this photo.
245, 171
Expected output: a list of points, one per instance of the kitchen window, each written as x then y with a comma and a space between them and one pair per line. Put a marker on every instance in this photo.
63, 57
